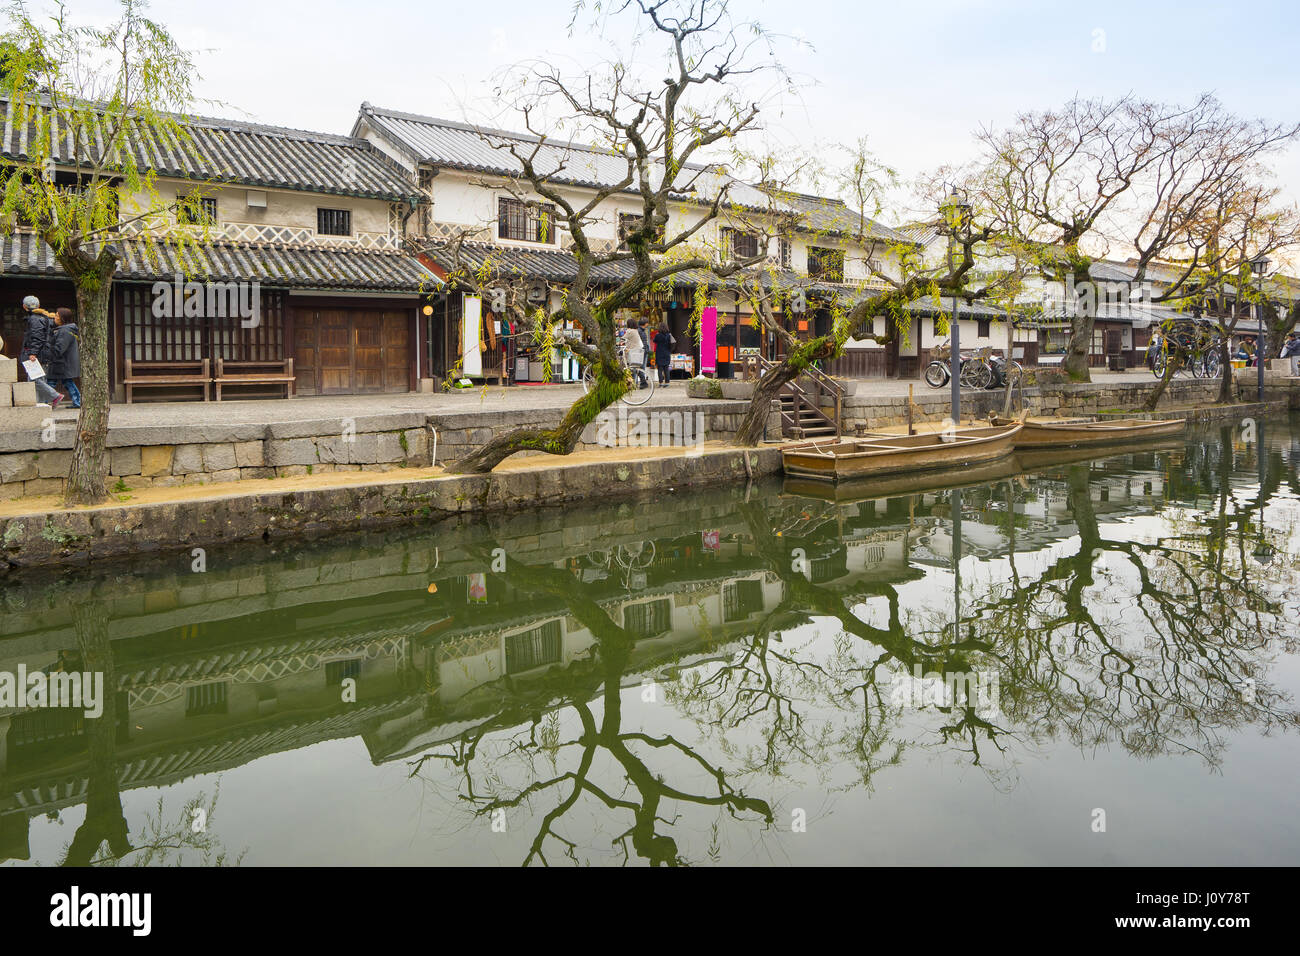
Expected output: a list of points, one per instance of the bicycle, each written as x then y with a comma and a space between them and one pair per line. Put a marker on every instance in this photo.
634, 395
978, 369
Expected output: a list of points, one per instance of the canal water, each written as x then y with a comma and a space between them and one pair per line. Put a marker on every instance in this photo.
1069, 660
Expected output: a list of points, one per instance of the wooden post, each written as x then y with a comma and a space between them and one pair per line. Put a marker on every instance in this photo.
910, 429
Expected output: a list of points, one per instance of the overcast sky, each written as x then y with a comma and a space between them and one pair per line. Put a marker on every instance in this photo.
914, 78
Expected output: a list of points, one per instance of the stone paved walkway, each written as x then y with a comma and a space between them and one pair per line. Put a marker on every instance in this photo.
490, 399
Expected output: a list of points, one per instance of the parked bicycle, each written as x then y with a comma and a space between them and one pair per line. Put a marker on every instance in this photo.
979, 369
640, 381
1200, 360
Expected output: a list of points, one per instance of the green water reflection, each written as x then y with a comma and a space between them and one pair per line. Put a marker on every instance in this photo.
749, 675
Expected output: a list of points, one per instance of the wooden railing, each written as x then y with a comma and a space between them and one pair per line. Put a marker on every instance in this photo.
811, 393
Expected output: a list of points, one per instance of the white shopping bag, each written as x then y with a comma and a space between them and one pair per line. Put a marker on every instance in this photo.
33, 368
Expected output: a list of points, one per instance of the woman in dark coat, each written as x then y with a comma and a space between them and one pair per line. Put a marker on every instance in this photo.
65, 356
663, 352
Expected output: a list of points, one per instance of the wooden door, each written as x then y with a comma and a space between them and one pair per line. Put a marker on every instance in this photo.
397, 344
368, 352
305, 371
334, 351
352, 351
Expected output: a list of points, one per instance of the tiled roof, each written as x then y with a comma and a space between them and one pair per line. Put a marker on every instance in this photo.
274, 266
929, 305
453, 145
553, 265
481, 149
821, 214
246, 153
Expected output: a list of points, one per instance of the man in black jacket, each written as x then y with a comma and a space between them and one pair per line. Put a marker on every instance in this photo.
37, 339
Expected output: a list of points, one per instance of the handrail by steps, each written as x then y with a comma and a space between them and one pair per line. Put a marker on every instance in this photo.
810, 398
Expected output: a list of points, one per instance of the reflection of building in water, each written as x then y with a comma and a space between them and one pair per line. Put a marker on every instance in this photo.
222, 668
254, 657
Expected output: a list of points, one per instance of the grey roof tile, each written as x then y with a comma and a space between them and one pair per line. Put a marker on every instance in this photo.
24, 254
251, 154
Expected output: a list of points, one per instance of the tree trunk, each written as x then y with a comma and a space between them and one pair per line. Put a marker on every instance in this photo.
86, 484
1172, 364
774, 379
1081, 325
560, 440
753, 425
104, 821
1225, 380
1009, 384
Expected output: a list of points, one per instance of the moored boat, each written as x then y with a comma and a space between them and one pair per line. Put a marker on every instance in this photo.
1114, 431
880, 455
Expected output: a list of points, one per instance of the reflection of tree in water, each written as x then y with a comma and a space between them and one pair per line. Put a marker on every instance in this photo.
104, 838
596, 679
1185, 662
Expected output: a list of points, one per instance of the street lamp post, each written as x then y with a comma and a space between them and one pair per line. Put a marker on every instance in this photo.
960, 212
1258, 268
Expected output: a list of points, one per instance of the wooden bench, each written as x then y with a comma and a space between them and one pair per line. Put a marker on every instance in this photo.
254, 373
166, 375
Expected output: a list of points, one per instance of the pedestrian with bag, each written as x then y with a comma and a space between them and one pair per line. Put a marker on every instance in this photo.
65, 356
36, 348
664, 342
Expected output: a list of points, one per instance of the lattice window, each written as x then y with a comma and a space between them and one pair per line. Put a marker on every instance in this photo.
826, 264
336, 672
649, 619
203, 700
741, 245
629, 223
741, 599
204, 214
533, 648
525, 222
150, 338
334, 222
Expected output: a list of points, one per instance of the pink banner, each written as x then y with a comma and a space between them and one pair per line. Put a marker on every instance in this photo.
709, 341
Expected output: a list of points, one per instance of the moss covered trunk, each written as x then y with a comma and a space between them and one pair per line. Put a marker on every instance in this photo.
754, 423
87, 478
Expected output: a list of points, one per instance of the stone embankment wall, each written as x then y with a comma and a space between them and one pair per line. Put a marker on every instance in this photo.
75, 537
35, 456
1062, 400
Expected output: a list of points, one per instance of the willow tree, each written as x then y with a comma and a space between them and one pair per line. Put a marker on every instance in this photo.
84, 97
1074, 182
658, 126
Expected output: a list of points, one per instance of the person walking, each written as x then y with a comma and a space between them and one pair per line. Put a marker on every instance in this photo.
65, 356
36, 346
1291, 350
664, 343
635, 361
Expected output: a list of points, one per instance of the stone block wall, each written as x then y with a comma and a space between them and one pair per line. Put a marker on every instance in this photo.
1063, 400
35, 458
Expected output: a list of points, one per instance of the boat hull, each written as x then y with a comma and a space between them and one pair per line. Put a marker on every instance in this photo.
1066, 435
884, 456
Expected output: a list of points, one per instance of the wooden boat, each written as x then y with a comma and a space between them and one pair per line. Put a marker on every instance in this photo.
1047, 457
851, 490
879, 455
1111, 432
